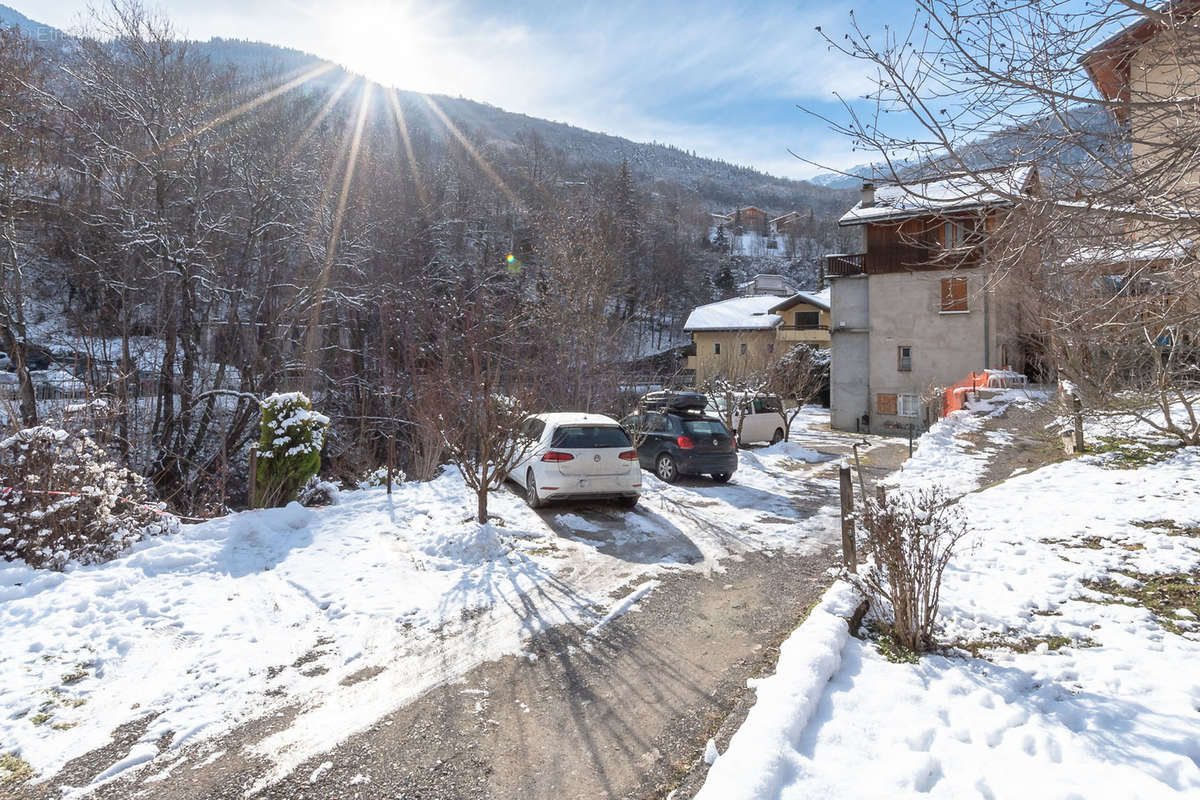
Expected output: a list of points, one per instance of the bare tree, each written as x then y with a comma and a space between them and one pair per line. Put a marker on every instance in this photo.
1104, 99
798, 376
479, 375
20, 131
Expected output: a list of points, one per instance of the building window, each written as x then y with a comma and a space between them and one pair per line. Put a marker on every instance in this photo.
716, 348
955, 234
885, 404
770, 347
808, 319
909, 405
742, 349
954, 295
904, 358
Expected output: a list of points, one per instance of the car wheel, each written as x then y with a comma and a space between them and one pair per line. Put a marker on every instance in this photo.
627, 502
665, 468
777, 437
721, 477
531, 493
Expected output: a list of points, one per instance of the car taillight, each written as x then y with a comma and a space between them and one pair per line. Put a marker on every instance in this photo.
734, 440
629, 455
684, 443
554, 455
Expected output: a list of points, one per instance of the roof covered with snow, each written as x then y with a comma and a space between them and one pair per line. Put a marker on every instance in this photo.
819, 299
949, 193
1132, 252
736, 314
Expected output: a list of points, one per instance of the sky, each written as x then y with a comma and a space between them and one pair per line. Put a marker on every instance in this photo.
723, 79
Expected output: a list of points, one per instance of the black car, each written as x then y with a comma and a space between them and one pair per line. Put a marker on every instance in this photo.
675, 437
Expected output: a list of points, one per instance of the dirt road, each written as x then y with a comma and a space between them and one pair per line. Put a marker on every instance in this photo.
622, 712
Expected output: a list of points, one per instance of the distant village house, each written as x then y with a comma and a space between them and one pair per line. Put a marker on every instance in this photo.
744, 335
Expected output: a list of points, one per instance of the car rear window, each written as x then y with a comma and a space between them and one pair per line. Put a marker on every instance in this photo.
583, 436
704, 427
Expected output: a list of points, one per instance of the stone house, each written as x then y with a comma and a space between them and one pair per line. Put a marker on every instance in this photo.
919, 307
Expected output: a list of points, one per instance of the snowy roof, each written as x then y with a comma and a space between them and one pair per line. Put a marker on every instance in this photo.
1131, 252
737, 314
819, 299
951, 193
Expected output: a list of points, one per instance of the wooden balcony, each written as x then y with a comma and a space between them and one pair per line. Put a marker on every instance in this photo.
901, 258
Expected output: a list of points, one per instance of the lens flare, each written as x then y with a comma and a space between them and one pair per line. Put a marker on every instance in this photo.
514, 265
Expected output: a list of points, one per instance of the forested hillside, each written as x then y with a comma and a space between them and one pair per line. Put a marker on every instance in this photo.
188, 227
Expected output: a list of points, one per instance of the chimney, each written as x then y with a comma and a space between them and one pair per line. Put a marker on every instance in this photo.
868, 195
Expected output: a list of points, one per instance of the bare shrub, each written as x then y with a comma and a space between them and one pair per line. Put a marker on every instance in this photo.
910, 537
798, 376
317, 492
62, 499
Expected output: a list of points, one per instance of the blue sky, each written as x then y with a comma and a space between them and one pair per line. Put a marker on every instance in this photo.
723, 79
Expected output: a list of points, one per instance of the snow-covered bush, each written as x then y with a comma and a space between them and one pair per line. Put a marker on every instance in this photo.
378, 477
289, 448
910, 537
62, 499
317, 492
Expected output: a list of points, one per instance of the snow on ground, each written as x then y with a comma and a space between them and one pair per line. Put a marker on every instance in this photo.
945, 457
349, 611
1079, 692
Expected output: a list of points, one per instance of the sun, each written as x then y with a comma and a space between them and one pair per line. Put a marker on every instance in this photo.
388, 42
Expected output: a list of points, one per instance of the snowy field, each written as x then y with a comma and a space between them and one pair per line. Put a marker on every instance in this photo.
349, 611
1085, 684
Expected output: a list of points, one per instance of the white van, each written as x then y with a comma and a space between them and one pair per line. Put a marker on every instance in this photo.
756, 418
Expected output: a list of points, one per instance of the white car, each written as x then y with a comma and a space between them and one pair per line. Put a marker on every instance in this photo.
575, 456
759, 417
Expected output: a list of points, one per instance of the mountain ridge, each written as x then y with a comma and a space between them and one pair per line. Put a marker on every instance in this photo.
718, 183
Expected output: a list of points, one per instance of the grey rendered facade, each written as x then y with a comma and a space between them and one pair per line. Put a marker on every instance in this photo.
874, 316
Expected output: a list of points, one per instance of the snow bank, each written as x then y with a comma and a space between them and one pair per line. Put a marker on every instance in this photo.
791, 450
213, 625
944, 457
1083, 693
759, 761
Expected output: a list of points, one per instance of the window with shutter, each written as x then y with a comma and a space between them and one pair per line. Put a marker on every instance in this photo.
885, 404
954, 294
909, 405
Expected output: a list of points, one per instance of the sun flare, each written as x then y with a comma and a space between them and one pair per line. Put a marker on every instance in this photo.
389, 42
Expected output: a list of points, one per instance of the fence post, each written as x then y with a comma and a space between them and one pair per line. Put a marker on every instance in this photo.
849, 552
391, 459
251, 484
910, 439
858, 467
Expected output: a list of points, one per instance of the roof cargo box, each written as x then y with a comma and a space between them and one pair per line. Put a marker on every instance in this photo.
675, 401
